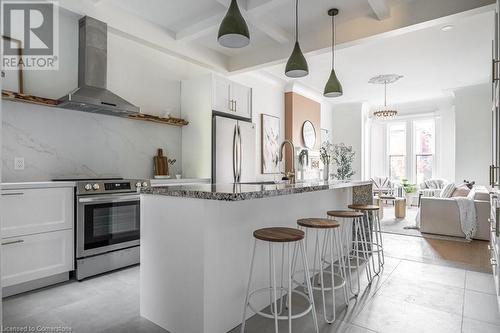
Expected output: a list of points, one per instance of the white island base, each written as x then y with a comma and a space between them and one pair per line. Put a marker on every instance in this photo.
195, 253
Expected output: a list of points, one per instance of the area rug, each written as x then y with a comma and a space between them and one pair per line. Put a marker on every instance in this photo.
406, 226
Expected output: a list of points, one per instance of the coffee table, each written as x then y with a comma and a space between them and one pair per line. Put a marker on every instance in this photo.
399, 205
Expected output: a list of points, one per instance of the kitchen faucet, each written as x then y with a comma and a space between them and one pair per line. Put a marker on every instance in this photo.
288, 175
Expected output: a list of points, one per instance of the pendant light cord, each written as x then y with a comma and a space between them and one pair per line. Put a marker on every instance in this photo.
333, 41
296, 20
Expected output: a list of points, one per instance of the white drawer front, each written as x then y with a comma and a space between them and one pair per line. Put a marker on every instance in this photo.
31, 211
36, 256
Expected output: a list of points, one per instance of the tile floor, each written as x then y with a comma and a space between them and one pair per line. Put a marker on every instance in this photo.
409, 296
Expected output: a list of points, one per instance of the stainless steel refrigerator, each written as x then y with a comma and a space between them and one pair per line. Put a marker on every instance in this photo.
233, 150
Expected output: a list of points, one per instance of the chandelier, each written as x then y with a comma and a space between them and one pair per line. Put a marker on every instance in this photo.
385, 112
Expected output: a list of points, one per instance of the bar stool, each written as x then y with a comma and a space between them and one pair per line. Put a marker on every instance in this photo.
331, 240
372, 217
284, 236
352, 225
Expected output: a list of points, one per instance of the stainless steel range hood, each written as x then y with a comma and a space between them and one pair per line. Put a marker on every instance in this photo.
91, 94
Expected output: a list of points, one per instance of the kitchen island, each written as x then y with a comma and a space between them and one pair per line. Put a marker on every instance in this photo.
196, 243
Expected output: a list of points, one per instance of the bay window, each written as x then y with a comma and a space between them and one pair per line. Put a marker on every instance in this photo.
424, 143
411, 150
397, 150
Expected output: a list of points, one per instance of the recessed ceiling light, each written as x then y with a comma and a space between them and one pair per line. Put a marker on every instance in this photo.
447, 27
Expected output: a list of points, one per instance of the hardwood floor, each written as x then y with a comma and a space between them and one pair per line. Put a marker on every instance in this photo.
472, 256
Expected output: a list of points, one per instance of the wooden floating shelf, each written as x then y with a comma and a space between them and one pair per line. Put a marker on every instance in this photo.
160, 120
17, 97
24, 98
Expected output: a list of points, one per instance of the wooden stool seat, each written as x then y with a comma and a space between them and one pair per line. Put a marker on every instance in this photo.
279, 234
318, 223
364, 207
344, 213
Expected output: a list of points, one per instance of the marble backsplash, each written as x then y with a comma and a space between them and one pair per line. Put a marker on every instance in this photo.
57, 143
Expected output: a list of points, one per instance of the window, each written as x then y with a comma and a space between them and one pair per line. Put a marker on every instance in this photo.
397, 150
424, 142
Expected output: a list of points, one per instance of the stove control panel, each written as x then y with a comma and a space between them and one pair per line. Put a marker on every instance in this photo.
111, 186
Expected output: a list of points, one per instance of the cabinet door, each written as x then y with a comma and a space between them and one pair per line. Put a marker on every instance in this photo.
242, 100
30, 211
220, 95
37, 256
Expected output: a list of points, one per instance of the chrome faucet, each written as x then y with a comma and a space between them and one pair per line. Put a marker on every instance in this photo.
289, 175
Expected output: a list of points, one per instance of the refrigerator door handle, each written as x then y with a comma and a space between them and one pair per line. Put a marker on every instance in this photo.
235, 175
240, 153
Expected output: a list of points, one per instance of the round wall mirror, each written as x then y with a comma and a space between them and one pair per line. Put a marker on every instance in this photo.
309, 134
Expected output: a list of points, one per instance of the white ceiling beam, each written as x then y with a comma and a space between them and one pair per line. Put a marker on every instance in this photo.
200, 28
380, 8
405, 17
252, 10
128, 25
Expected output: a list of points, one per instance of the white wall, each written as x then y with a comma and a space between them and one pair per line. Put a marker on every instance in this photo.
347, 128
473, 133
57, 142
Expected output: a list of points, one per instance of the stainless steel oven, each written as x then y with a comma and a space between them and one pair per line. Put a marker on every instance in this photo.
108, 214
107, 223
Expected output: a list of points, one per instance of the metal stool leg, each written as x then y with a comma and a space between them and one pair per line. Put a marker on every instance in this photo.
356, 249
338, 237
289, 297
329, 321
271, 252
381, 242
369, 224
243, 322
364, 248
309, 287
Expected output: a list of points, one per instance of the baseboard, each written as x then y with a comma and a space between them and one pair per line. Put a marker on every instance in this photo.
35, 284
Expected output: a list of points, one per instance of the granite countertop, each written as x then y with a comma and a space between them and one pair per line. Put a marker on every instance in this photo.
238, 192
175, 181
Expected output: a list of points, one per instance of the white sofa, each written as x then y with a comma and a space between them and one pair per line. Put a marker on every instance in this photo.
441, 216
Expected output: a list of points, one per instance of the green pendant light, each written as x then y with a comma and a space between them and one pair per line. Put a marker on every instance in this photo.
333, 88
233, 30
297, 64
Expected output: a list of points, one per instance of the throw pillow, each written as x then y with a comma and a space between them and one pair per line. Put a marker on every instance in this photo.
461, 191
448, 190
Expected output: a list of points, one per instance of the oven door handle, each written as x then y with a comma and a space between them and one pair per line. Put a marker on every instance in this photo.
105, 199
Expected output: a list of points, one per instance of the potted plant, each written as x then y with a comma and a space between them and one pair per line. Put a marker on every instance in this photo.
343, 157
409, 189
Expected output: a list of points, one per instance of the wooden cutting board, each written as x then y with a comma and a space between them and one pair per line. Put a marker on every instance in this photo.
160, 163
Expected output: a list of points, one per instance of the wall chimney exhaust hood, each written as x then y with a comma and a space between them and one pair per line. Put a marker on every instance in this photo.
91, 94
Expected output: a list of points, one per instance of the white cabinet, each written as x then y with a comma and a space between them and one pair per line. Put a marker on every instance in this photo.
231, 97
32, 257
200, 98
37, 235
30, 211
242, 100
221, 95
